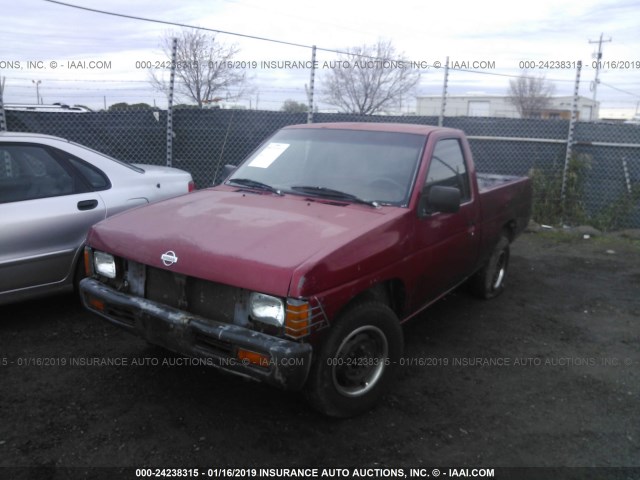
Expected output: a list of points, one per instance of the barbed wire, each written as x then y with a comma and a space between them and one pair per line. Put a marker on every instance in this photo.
282, 42
620, 90
119, 87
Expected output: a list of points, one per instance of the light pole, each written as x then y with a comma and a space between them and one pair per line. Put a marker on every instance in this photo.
37, 83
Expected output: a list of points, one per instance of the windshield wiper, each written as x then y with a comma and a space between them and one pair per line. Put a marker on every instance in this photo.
334, 194
247, 182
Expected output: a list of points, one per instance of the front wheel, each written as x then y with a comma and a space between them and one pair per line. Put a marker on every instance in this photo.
355, 363
489, 282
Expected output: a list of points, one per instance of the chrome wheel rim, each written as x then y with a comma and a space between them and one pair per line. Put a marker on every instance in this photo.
501, 267
360, 361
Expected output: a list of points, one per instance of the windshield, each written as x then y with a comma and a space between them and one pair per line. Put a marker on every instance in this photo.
371, 166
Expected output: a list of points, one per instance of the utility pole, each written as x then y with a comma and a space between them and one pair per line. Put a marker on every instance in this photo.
598, 65
37, 84
3, 120
310, 90
443, 101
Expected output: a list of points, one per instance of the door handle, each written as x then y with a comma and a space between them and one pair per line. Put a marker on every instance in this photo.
472, 227
87, 204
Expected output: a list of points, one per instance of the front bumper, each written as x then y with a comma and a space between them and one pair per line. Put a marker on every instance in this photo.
193, 335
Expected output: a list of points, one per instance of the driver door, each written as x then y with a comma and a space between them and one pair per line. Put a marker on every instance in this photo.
447, 243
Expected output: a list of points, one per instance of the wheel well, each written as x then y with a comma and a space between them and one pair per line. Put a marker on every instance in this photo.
77, 272
509, 229
390, 292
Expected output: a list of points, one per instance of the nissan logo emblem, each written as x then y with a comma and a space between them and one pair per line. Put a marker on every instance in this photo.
169, 258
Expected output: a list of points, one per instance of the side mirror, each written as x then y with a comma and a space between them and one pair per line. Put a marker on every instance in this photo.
439, 199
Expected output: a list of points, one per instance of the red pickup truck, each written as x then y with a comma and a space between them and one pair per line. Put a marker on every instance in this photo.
301, 267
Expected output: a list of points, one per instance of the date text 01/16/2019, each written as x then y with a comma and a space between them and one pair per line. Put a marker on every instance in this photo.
573, 64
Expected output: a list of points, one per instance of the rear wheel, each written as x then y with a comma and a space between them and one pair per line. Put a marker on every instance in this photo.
489, 282
355, 363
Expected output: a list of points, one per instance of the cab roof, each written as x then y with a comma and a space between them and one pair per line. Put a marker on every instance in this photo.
376, 127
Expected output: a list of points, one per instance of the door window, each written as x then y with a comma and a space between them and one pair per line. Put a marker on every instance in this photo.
28, 172
93, 176
448, 168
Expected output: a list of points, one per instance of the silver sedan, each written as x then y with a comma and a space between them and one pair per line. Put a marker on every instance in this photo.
51, 192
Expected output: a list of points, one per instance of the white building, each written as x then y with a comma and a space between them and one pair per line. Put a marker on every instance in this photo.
500, 106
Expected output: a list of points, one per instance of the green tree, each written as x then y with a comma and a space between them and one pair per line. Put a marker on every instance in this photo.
118, 106
291, 106
125, 106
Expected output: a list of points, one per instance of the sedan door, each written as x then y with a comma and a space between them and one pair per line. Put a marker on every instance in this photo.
46, 209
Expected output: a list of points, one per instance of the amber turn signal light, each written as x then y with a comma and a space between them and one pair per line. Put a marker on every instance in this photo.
296, 321
96, 304
255, 358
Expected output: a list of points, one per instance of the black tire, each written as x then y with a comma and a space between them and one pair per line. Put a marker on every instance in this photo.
490, 280
355, 363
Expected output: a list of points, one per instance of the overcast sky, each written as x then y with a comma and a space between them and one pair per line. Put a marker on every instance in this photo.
504, 34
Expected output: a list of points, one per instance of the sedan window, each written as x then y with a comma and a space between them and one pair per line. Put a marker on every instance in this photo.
29, 172
94, 177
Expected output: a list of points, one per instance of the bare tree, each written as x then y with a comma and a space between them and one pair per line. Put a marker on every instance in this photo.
202, 68
369, 78
530, 94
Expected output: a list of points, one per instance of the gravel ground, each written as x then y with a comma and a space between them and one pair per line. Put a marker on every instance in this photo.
544, 375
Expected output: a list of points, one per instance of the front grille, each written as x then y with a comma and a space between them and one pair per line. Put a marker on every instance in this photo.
165, 287
216, 302
207, 299
213, 345
122, 315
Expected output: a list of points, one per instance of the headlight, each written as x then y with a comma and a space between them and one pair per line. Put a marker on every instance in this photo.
266, 309
104, 264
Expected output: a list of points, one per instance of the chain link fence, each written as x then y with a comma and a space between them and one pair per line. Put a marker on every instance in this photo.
583, 171
602, 178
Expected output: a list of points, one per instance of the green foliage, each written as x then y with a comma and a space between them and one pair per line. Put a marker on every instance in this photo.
134, 106
614, 215
118, 106
291, 106
140, 106
548, 207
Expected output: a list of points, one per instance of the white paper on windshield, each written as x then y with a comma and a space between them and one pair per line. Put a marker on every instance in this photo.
269, 155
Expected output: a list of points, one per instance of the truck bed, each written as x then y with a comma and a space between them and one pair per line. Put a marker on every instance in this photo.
503, 199
487, 181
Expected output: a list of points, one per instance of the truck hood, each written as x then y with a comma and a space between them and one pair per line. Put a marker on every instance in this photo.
250, 240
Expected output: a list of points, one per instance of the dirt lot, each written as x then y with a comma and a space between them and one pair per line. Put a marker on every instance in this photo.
545, 375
